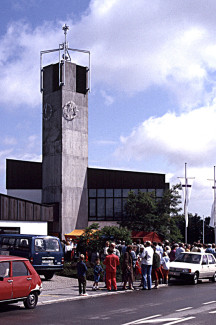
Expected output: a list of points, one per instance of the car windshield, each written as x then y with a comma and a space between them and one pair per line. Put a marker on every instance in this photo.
46, 245
188, 258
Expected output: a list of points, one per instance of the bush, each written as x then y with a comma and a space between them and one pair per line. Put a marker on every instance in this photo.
70, 271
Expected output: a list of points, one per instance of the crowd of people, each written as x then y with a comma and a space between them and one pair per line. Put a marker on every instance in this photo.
148, 261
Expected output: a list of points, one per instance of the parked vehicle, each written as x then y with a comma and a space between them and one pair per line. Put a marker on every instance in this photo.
44, 252
19, 281
193, 266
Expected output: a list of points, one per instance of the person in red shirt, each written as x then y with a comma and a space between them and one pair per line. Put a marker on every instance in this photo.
111, 261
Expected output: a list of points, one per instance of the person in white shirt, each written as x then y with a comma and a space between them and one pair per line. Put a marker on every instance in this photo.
146, 265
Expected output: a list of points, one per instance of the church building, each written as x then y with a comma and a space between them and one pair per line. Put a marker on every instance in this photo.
62, 193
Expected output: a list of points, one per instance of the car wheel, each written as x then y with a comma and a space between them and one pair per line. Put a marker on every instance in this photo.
195, 278
31, 300
48, 275
214, 278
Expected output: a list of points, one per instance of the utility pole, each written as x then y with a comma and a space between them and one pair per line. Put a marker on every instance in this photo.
186, 187
213, 211
203, 229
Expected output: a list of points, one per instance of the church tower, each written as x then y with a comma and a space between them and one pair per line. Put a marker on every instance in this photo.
64, 86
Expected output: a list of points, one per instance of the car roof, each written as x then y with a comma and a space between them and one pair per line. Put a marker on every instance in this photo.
10, 257
24, 235
196, 253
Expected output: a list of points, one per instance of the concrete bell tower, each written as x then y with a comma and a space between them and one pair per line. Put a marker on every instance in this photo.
64, 86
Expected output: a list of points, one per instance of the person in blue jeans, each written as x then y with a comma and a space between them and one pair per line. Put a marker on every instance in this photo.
146, 266
97, 272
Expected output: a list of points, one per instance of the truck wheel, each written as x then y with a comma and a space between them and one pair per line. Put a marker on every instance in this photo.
48, 275
31, 300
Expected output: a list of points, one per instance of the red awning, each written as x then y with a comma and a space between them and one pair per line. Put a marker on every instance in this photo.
143, 235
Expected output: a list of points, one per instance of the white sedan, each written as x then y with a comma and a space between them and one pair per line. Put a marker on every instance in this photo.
193, 266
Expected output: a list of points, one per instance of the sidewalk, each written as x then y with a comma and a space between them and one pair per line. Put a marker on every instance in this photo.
62, 288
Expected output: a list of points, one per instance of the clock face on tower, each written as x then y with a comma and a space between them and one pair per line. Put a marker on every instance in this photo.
47, 111
69, 111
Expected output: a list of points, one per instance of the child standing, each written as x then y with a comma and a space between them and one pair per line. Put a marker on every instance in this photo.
165, 267
97, 271
81, 274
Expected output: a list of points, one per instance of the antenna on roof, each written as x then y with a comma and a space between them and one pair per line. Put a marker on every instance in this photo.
63, 47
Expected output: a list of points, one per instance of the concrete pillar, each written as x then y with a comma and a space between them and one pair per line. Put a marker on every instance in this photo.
65, 146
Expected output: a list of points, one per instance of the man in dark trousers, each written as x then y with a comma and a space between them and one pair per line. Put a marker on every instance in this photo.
111, 261
81, 275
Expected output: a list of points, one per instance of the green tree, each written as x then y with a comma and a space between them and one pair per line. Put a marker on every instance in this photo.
147, 213
93, 239
111, 233
195, 228
138, 206
209, 232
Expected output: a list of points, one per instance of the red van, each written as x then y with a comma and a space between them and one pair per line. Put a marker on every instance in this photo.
19, 281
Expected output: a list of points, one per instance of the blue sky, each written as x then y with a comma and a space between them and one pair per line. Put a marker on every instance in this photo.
152, 106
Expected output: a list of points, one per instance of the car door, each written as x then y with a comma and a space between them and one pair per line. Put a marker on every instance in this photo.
6, 282
212, 265
204, 270
22, 279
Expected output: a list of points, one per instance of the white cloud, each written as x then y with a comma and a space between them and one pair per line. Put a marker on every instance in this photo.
188, 137
32, 141
202, 193
3, 155
134, 44
9, 141
105, 142
108, 99
19, 62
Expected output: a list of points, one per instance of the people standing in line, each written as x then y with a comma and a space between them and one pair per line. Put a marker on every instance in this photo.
97, 272
115, 250
138, 244
156, 270
81, 275
119, 246
187, 248
139, 266
160, 249
105, 253
209, 249
147, 260
127, 269
167, 247
173, 252
68, 250
123, 248
111, 261
73, 248
194, 247
165, 267
134, 259
179, 250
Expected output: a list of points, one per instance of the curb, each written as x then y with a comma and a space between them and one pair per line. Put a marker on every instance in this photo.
96, 295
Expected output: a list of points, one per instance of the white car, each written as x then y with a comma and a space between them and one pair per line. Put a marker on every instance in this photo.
193, 266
